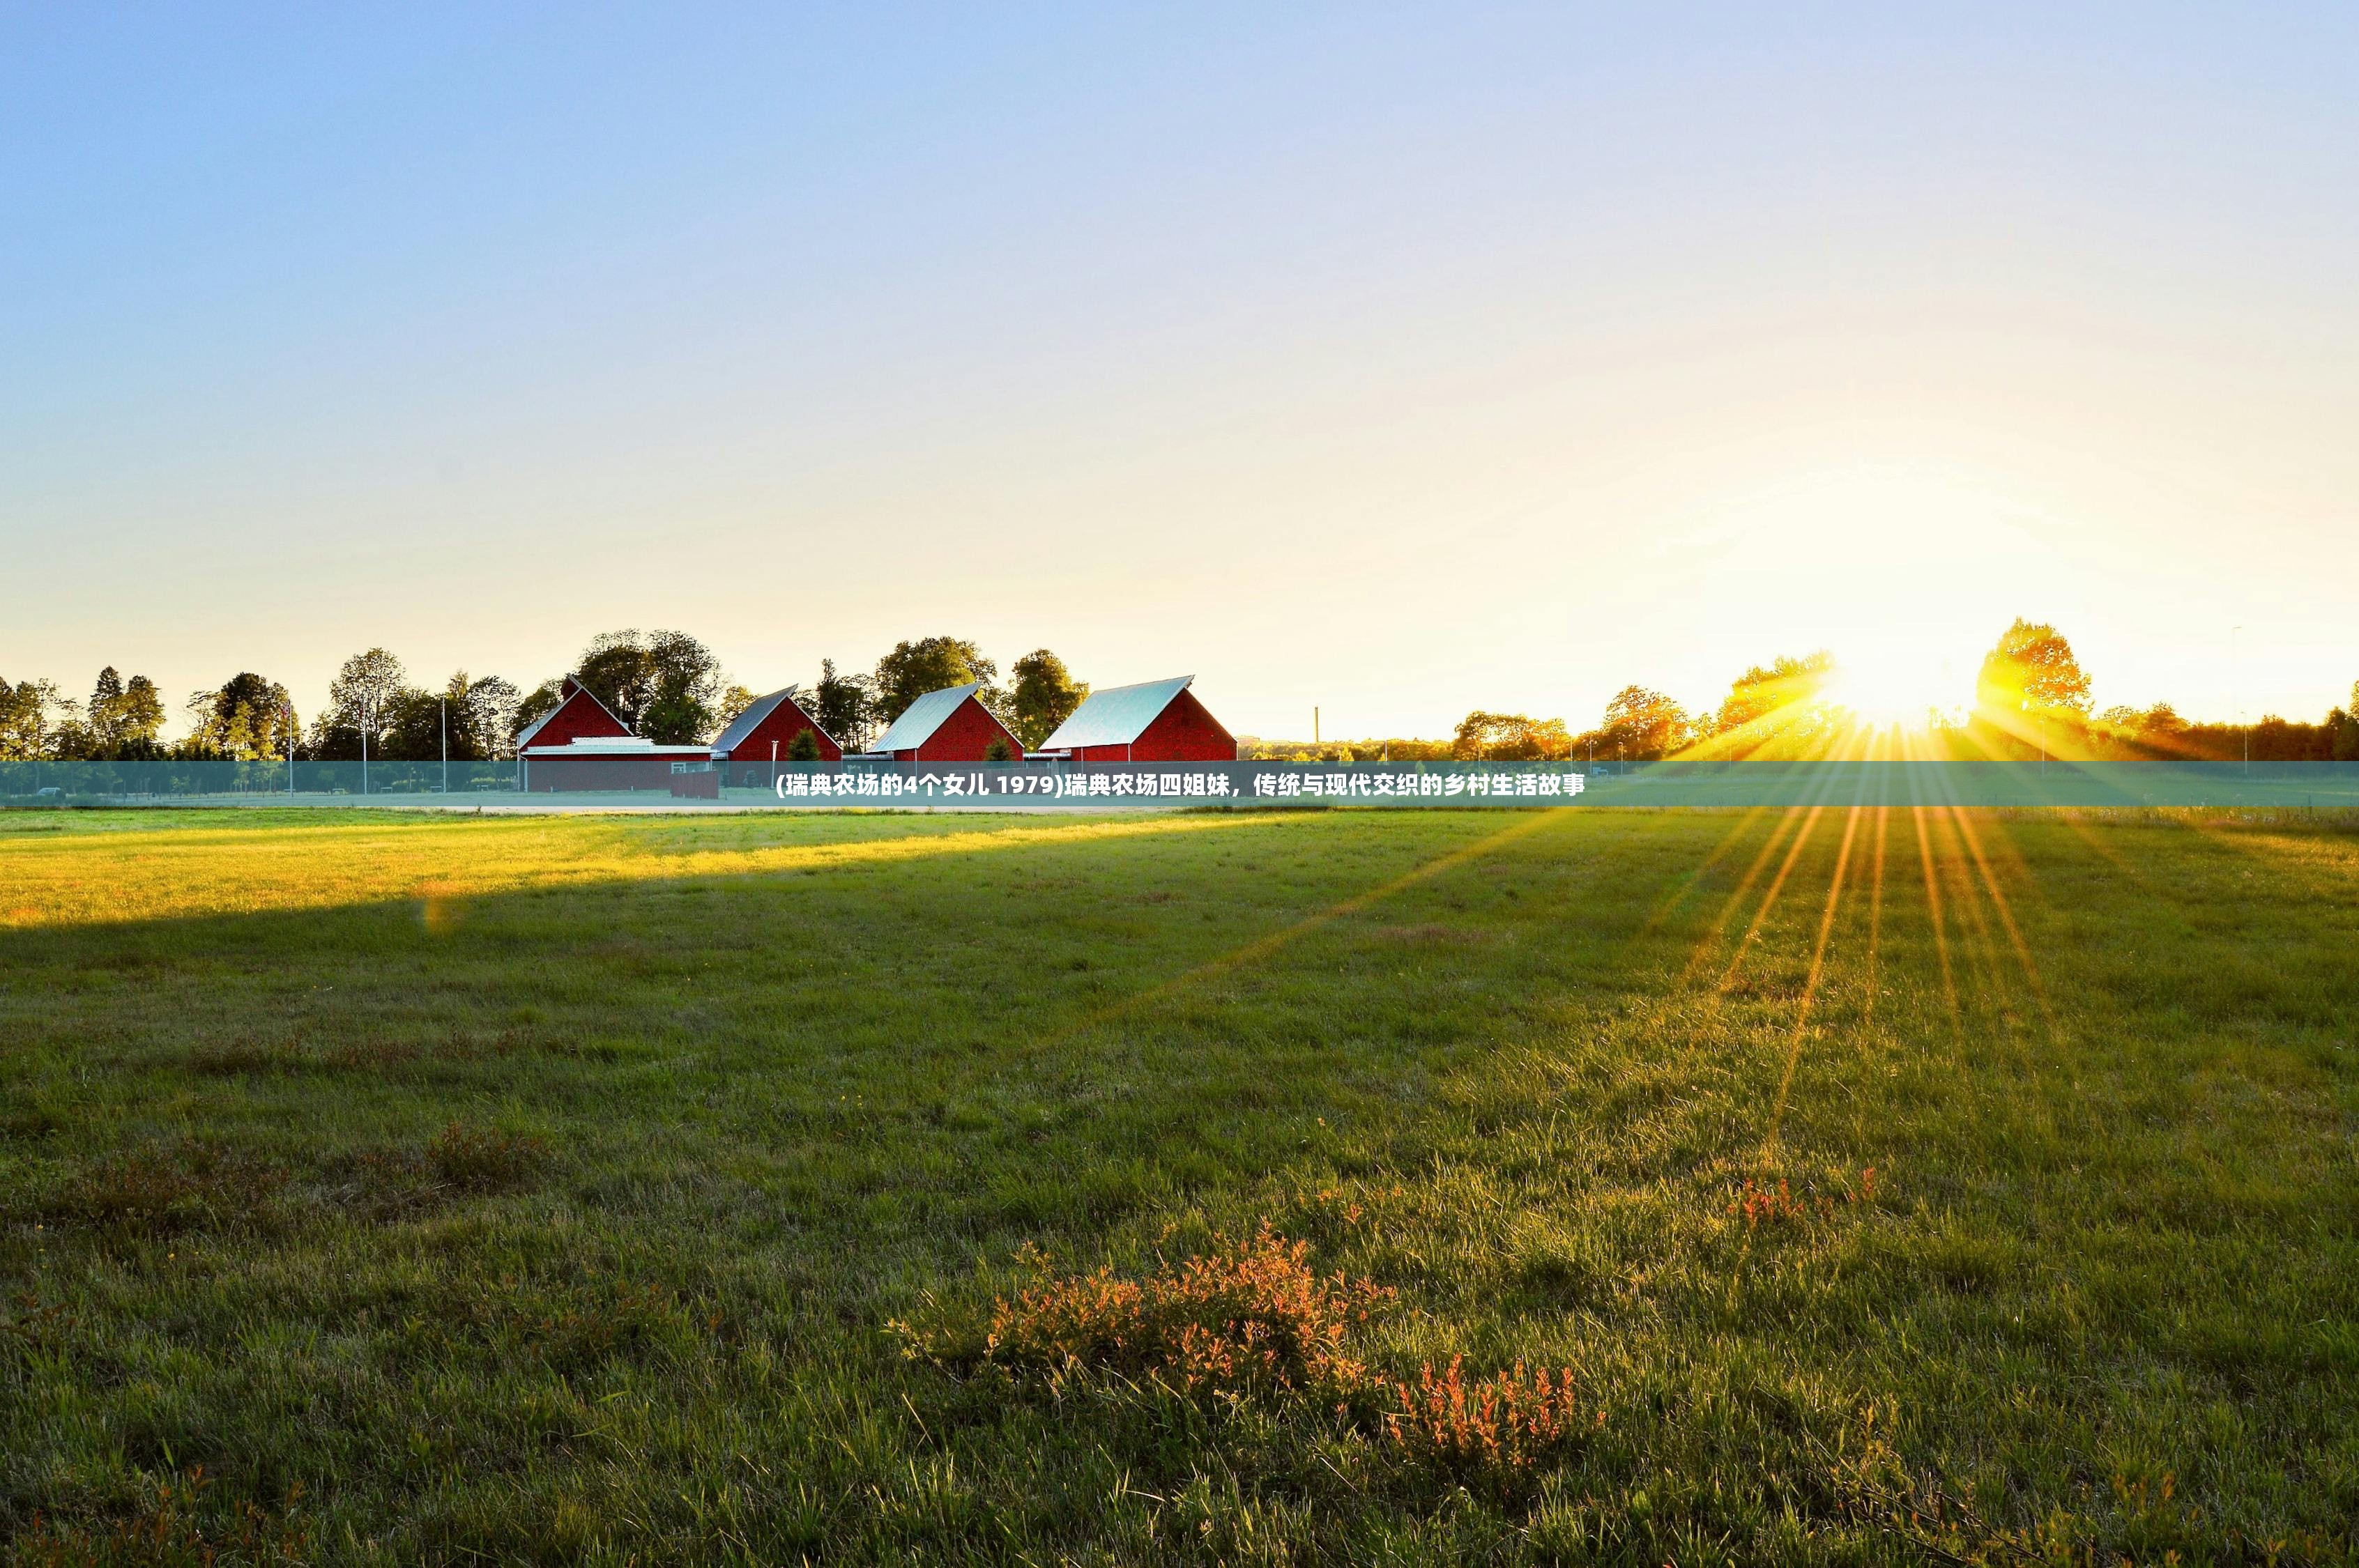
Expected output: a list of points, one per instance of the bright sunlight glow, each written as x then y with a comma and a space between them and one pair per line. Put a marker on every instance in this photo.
1888, 689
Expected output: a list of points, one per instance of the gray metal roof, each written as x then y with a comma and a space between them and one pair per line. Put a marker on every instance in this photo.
746, 723
1117, 715
922, 717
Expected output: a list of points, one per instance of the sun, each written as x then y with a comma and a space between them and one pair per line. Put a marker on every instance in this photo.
1889, 689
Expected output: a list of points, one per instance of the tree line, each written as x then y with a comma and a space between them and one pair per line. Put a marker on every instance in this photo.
2032, 698
666, 686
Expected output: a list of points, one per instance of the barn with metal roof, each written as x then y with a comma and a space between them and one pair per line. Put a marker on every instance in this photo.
762, 736
947, 726
578, 714
580, 746
1154, 721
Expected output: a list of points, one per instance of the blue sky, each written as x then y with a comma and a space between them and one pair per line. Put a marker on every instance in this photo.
1395, 360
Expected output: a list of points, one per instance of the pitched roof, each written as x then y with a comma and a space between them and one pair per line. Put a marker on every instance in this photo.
1117, 715
615, 746
746, 723
572, 688
922, 717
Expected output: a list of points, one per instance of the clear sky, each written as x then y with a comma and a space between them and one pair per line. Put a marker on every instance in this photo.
1399, 360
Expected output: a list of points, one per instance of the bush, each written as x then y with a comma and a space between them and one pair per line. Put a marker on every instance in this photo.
1253, 1320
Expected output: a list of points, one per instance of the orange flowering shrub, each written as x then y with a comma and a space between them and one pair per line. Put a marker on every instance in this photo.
1247, 1314
1253, 1318
1505, 1423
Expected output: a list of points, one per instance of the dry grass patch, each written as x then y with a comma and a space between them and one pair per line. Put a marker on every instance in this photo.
193, 1185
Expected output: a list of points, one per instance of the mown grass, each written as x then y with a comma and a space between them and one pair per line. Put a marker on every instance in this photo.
1890, 1188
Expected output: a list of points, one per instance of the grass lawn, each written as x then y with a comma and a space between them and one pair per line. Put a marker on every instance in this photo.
1894, 1188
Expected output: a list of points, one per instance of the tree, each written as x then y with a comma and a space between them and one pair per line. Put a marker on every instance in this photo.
490, 705
120, 723
845, 705
364, 691
997, 751
31, 714
734, 701
1510, 738
1780, 689
541, 699
2339, 731
476, 718
666, 686
2032, 671
1778, 710
103, 714
1641, 725
411, 727
137, 721
1043, 697
246, 719
804, 747
2343, 731
913, 669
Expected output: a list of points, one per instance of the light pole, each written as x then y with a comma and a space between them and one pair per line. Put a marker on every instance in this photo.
446, 745
364, 744
2236, 691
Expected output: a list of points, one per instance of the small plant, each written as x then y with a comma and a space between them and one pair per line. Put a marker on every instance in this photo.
184, 1186
1760, 1205
33, 1325
1253, 1320
473, 1161
171, 1527
572, 1335
1501, 1426
1247, 1315
459, 1160
1768, 1206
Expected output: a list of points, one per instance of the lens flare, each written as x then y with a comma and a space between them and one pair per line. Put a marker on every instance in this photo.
1888, 692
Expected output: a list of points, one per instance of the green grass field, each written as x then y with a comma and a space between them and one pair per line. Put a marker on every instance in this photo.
376, 1187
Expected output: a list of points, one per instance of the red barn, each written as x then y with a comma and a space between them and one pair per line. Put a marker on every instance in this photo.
760, 738
578, 713
947, 726
1155, 721
580, 746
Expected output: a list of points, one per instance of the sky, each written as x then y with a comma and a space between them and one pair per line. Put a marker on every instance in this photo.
1386, 359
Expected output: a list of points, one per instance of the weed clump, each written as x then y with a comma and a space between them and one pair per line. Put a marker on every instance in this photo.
32, 1326
1760, 1205
1247, 1316
585, 1329
1495, 1427
186, 1186
1252, 1320
458, 1161
473, 1161
172, 1526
